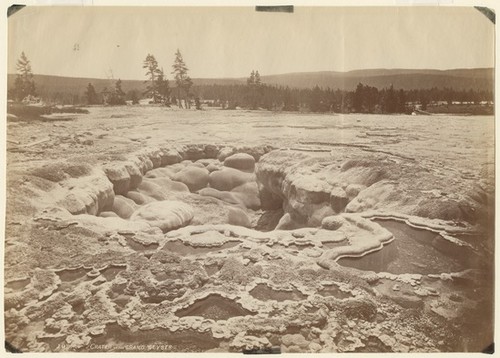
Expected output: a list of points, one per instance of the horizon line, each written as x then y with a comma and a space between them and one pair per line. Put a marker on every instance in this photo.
278, 74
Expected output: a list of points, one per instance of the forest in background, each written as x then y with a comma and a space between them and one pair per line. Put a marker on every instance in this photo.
462, 90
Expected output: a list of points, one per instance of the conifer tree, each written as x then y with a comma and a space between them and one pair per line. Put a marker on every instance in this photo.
254, 86
119, 96
182, 81
24, 84
91, 95
163, 88
151, 65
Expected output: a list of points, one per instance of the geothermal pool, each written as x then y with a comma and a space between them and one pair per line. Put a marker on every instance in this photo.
145, 229
415, 251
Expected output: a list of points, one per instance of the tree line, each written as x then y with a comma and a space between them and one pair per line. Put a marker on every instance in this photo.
158, 89
364, 99
253, 95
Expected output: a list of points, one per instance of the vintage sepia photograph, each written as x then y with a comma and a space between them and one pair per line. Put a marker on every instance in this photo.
249, 179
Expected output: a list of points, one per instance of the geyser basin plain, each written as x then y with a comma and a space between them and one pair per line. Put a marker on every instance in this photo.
165, 226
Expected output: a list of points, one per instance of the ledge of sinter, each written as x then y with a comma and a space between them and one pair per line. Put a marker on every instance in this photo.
355, 181
230, 248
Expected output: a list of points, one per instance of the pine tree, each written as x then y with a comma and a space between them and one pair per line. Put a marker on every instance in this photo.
372, 98
424, 101
118, 96
358, 98
163, 87
133, 96
152, 73
24, 85
91, 95
251, 79
401, 101
259, 92
257, 78
390, 102
254, 88
448, 95
290, 103
197, 103
315, 100
182, 81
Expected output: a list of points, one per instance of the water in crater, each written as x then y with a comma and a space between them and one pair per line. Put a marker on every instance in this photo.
154, 299
183, 249
111, 271
333, 244
335, 291
78, 306
211, 269
214, 307
265, 293
18, 285
137, 246
373, 345
54, 343
300, 247
413, 251
121, 339
485, 240
69, 275
121, 300
161, 276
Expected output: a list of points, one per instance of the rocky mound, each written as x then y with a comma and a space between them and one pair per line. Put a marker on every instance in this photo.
158, 250
314, 186
166, 215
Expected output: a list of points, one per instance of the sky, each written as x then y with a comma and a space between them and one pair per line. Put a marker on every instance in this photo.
222, 42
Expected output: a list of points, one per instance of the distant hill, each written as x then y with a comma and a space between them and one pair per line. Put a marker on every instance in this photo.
459, 79
64, 87
51, 86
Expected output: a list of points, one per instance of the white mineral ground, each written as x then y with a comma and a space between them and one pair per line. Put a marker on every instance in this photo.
147, 228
